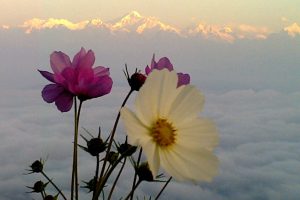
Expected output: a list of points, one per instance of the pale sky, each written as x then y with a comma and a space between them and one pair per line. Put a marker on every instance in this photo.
271, 13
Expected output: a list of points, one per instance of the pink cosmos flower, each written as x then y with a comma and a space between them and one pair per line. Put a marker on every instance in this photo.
164, 63
76, 78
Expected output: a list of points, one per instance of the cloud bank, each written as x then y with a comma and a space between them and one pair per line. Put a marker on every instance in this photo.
251, 89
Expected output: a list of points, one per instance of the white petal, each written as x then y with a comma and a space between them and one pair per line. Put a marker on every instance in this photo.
169, 166
136, 130
151, 151
196, 165
199, 132
188, 103
156, 95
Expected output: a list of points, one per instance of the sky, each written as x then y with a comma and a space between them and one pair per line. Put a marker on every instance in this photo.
271, 13
248, 74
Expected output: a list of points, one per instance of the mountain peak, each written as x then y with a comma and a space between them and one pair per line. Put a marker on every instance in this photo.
135, 14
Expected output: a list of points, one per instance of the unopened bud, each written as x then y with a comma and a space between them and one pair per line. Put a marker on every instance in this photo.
136, 81
90, 185
144, 172
112, 157
37, 166
96, 146
126, 149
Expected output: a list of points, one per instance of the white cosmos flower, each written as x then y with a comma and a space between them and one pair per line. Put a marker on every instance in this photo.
167, 126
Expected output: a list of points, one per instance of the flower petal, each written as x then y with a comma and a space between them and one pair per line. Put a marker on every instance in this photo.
151, 151
64, 101
164, 63
49, 76
169, 166
101, 71
83, 59
99, 87
188, 103
183, 79
147, 70
51, 92
134, 127
59, 61
155, 97
185, 164
199, 132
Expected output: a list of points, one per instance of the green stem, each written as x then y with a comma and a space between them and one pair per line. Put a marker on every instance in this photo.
135, 174
42, 193
75, 153
73, 167
60, 192
161, 191
98, 188
131, 192
116, 180
102, 181
96, 175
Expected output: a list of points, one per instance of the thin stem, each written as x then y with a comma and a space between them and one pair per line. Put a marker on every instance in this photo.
103, 180
117, 178
43, 195
96, 174
138, 183
98, 188
75, 154
135, 174
74, 147
54, 185
161, 191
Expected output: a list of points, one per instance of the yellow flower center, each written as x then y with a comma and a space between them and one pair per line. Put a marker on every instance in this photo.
163, 133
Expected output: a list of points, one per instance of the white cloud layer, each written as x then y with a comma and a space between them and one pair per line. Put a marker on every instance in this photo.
251, 89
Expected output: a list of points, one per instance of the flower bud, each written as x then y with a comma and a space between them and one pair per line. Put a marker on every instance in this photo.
90, 185
37, 166
136, 81
112, 157
96, 146
38, 187
126, 149
144, 172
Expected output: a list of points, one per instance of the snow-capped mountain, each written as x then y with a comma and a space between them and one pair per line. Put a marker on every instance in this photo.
134, 22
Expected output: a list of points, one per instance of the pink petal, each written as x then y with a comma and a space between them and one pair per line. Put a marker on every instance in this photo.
64, 102
59, 61
101, 71
83, 59
183, 79
147, 70
164, 63
49, 76
85, 76
101, 87
51, 92
153, 63
69, 78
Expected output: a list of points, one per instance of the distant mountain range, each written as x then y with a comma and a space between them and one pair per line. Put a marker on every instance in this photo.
134, 22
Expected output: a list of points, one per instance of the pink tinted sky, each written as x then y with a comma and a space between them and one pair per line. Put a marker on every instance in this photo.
274, 14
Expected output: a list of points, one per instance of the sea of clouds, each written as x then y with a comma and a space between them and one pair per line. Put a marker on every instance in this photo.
252, 90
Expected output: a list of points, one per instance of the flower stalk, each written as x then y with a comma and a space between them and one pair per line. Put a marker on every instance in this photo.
74, 180
100, 185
